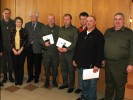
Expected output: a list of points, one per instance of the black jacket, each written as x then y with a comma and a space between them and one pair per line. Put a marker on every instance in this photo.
89, 49
1, 40
23, 38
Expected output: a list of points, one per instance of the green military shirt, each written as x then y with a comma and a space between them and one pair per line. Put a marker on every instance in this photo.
6, 29
70, 34
55, 32
119, 44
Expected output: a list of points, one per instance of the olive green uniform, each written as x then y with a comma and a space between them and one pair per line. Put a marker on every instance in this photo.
51, 54
6, 57
70, 34
118, 55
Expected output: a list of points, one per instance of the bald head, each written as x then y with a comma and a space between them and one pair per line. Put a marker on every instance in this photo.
51, 20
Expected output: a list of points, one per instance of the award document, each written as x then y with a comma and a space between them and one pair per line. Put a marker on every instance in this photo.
48, 38
89, 74
61, 43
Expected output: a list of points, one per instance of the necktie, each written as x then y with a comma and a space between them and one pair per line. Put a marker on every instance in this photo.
33, 26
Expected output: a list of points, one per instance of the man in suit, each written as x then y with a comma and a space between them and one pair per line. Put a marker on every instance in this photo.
7, 24
50, 53
1, 49
34, 51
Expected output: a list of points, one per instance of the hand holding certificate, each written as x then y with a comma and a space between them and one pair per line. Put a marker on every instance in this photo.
62, 43
89, 74
49, 38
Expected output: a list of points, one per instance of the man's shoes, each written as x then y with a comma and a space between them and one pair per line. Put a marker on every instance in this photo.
63, 87
70, 90
102, 99
29, 80
16, 83
4, 79
11, 79
46, 84
20, 83
78, 91
36, 81
81, 98
55, 83
1, 84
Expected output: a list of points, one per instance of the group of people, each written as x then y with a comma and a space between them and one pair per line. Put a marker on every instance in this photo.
89, 49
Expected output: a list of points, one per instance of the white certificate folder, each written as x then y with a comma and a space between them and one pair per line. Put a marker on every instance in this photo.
89, 74
48, 37
62, 42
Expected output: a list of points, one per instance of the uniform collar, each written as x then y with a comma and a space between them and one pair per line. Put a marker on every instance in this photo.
68, 26
5, 21
122, 29
52, 26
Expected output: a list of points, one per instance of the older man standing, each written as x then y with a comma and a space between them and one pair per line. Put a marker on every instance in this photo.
118, 58
50, 53
34, 51
89, 54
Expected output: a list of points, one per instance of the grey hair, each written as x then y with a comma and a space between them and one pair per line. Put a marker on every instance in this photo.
34, 12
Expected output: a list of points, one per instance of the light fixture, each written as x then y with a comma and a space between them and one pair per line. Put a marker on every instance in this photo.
130, 20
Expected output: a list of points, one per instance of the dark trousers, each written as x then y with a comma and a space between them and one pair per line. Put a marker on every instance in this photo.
33, 59
67, 69
6, 61
51, 62
115, 79
0, 67
79, 79
18, 64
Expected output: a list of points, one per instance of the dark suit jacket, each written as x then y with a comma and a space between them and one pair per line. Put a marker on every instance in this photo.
35, 35
6, 29
1, 40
